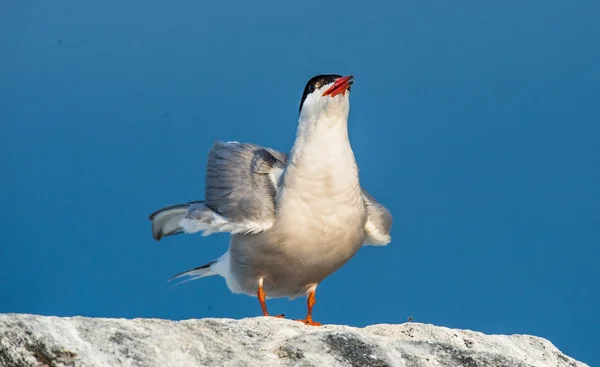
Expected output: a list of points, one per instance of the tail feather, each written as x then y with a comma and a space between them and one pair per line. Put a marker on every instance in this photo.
195, 273
165, 221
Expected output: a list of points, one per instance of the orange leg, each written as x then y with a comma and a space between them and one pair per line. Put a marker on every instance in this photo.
310, 302
263, 304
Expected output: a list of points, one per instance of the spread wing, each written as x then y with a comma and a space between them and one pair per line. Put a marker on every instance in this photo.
241, 183
379, 222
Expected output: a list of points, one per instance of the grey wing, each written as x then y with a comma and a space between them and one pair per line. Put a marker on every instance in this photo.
379, 222
241, 184
165, 221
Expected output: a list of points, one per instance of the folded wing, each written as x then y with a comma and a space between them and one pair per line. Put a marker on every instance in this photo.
379, 222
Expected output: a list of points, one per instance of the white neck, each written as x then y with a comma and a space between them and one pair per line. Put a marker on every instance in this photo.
321, 135
321, 162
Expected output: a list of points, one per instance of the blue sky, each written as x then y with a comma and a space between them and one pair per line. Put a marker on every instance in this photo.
477, 124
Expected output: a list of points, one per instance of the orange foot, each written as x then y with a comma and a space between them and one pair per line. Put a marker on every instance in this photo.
309, 321
310, 302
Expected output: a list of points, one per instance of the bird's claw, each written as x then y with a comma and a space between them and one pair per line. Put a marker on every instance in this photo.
310, 322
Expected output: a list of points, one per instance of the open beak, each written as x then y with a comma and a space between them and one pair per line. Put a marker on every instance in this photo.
340, 86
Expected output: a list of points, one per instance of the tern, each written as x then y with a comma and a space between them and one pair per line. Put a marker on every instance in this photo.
294, 218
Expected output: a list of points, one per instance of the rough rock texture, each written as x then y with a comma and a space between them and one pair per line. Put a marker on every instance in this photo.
29, 340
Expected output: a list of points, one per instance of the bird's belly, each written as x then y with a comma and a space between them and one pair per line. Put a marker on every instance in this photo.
291, 262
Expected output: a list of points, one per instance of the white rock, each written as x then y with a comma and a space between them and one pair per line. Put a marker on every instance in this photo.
30, 340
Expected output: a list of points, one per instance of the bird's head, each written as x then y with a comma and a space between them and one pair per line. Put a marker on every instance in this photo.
326, 94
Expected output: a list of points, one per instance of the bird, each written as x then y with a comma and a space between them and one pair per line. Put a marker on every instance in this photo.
295, 218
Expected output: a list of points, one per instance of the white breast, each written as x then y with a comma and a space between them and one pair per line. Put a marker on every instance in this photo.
320, 188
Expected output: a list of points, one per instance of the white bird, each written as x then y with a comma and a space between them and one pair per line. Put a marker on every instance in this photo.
294, 219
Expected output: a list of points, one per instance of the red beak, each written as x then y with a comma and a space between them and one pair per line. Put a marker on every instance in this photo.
340, 86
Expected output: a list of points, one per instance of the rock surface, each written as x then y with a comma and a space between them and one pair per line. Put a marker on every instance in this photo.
30, 340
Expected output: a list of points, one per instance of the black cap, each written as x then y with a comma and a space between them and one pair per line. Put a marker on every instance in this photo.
315, 83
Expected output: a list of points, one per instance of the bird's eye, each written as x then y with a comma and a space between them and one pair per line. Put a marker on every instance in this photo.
311, 88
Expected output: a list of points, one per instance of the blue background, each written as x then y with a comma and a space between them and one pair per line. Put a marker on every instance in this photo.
476, 124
